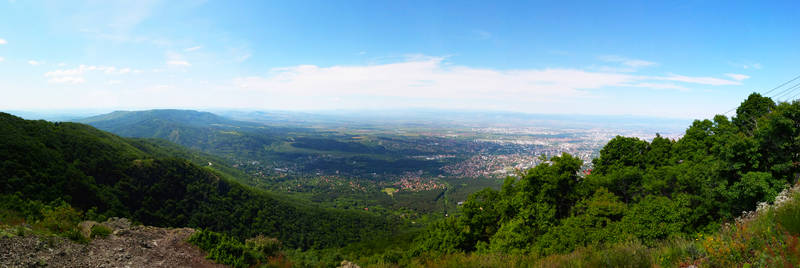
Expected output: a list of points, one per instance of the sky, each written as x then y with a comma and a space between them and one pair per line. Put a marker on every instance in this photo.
679, 59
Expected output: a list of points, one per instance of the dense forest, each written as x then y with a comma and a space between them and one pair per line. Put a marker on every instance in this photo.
105, 175
638, 190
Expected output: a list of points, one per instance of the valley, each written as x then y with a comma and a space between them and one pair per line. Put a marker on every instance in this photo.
428, 163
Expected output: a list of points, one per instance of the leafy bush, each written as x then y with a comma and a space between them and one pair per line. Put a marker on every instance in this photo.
266, 246
224, 249
75, 235
99, 230
788, 215
61, 218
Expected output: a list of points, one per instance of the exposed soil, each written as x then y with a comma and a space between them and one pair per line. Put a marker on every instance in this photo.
128, 246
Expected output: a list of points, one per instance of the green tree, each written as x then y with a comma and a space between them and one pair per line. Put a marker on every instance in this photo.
749, 112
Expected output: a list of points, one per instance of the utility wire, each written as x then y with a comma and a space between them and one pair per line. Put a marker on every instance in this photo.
787, 82
788, 92
784, 91
794, 97
773, 89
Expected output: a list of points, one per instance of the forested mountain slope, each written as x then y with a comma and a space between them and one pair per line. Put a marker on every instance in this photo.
105, 175
638, 191
198, 130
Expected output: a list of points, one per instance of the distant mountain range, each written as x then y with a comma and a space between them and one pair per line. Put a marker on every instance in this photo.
198, 130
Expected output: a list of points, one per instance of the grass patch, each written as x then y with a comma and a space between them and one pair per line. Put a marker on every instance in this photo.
99, 230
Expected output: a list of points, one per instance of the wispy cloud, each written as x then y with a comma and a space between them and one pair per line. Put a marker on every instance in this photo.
2, 59
240, 53
634, 63
738, 77
190, 49
711, 81
430, 77
747, 65
660, 86
176, 59
87, 68
67, 80
3, 41
34, 63
481, 34
179, 63
75, 75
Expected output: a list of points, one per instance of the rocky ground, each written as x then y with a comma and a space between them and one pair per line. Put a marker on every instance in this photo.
127, 246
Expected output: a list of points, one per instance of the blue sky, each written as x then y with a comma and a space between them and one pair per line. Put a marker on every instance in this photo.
673, 58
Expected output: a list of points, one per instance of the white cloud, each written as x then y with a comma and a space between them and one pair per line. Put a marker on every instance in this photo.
75, 75
87, 68
756, 66
2, 59
66, 80
3, 41
738, 77
697, 80
34, 63
113, 82
627, 61
178, 63
190, 49
431, 78
62, 64
660, 86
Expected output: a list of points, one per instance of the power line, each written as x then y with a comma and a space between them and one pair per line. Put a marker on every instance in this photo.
786, 92
773, 89
787, 82
783, 92
794, 97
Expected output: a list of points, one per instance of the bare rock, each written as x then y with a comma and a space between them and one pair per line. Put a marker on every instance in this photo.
131, 246
86, 227
348, 264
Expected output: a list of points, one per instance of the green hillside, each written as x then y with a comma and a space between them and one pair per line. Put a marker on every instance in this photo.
197, 130
247, 141
105, 175
640, 204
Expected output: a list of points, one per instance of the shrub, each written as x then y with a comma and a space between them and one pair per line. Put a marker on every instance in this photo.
75, 235
224, 249
267, 246
100, 231
61, 218
788, 215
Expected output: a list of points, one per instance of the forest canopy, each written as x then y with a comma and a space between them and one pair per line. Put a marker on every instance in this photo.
638, 190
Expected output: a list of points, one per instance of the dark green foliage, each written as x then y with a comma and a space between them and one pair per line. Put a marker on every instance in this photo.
228, 250
224, 249
332, 145
749, 112
95, 171
657, 217
638, 191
